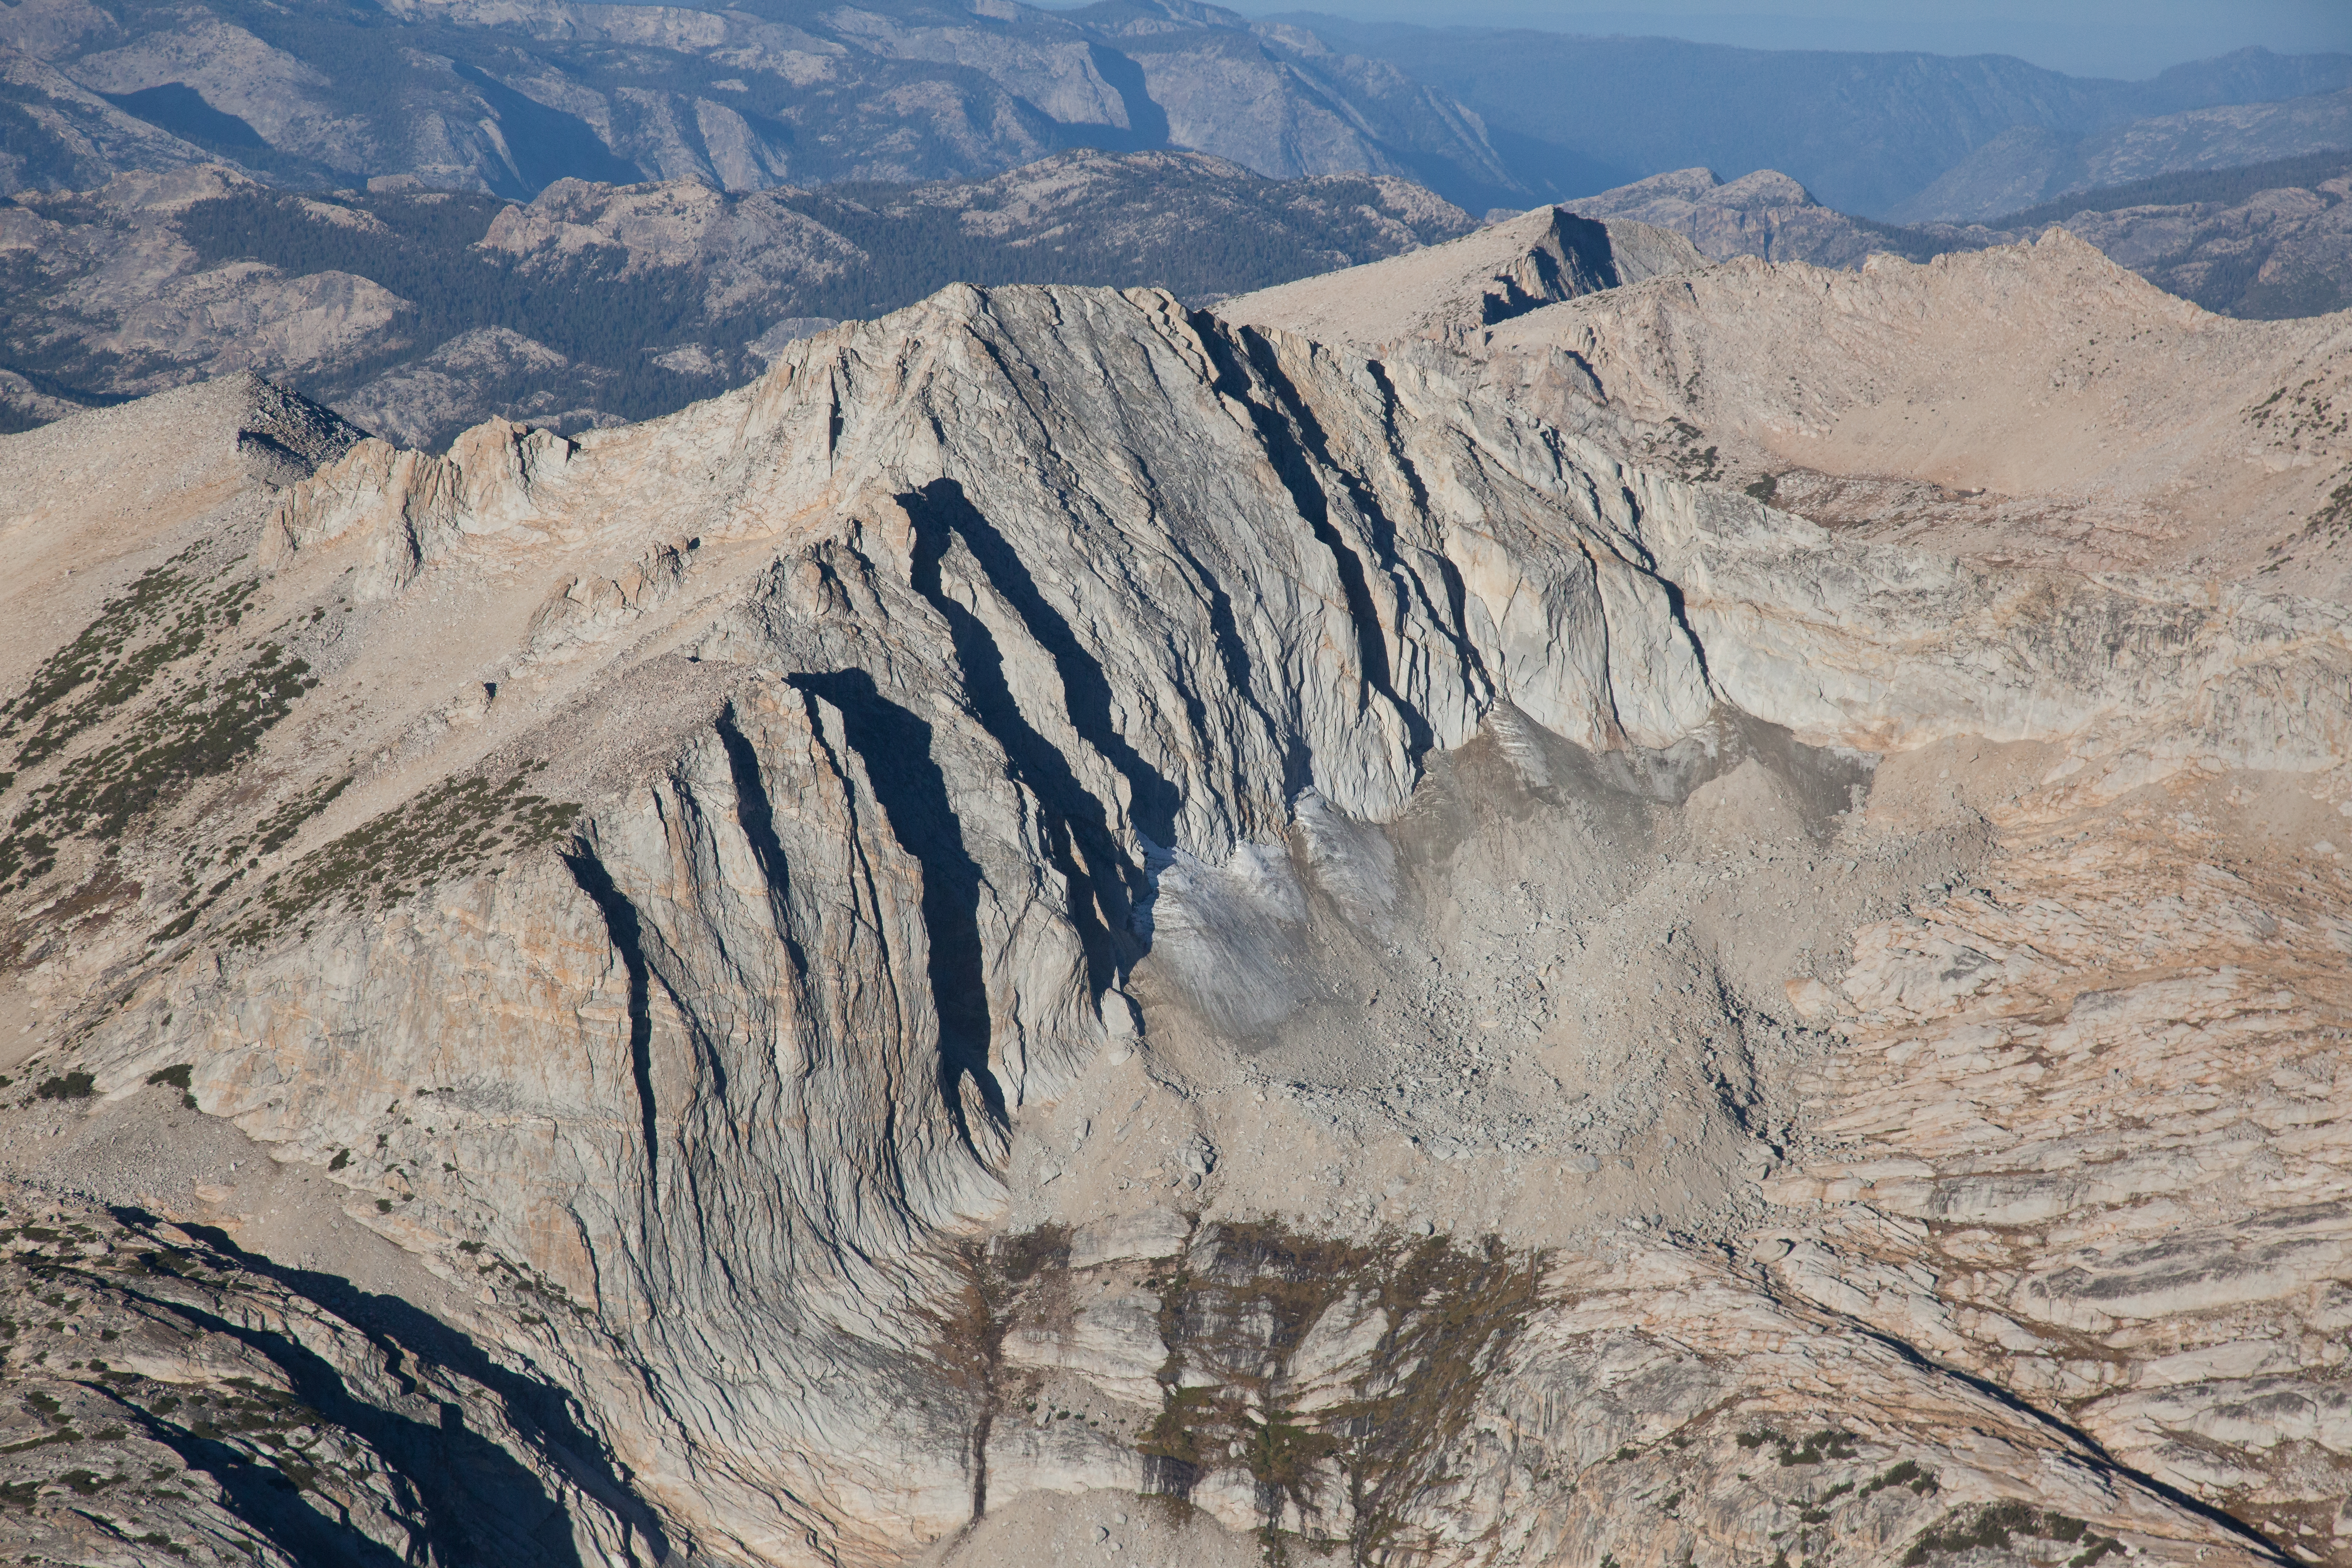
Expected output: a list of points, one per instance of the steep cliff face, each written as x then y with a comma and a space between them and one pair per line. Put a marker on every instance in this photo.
1065, 925
1507, 270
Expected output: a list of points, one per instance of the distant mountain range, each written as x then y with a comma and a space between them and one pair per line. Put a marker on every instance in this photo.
505, 97
2268, 241
418, 313
2030, 163
1865, 133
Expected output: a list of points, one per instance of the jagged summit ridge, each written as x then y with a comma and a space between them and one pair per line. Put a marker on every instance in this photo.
1505, 269
1061, 854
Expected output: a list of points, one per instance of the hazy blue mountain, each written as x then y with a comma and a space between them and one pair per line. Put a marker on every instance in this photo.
2030, 165
2264, 242
506, 96
1862, 132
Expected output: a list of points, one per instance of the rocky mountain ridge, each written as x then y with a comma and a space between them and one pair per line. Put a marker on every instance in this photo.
1765, 213
2105, 426
1071, 926
2267, 241
417, 315
1504, 270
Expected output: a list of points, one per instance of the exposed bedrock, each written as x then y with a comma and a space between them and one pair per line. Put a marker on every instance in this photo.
1067, 921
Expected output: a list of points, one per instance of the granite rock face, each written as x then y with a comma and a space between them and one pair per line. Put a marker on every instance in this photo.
1069, 925
1763, 214
2028, 403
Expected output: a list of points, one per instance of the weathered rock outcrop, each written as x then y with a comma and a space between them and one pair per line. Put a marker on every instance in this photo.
1504, 270
1763, 213
2032, 403
1069, 923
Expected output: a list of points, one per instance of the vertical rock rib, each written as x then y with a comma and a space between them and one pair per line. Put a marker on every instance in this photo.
756, 814
896, 748
1287, 448
622, 926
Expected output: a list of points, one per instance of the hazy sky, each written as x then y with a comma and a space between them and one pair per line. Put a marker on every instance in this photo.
2130, 39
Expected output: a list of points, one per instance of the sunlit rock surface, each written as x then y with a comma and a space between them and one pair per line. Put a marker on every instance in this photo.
1066, 927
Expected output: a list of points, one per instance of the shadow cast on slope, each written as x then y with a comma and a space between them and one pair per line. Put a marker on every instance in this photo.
1109, 894
941, 510
1295, 446
1147, 123
264, 1498
479, 1504
627, 936
2053, 1421
755, 813
896, 748
1082, 845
